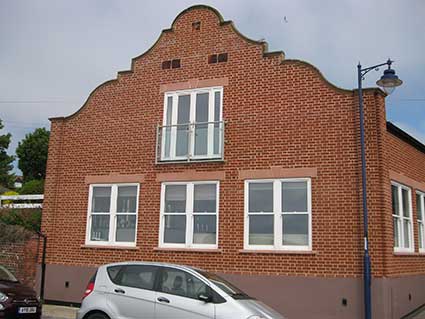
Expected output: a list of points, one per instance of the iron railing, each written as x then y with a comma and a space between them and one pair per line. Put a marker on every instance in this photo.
202, 141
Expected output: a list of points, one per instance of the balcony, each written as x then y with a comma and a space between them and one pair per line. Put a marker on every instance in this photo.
190, 142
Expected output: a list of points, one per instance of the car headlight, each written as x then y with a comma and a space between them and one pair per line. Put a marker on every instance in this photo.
3, 297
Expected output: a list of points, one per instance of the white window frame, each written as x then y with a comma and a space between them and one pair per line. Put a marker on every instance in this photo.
112, 216
211, 108
421, 221
401, 218
278, 215
189, 216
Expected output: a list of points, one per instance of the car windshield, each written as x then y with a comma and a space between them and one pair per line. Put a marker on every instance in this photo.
6, 275
226, 286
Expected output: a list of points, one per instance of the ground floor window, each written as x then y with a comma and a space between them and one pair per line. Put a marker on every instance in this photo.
112, 214
420, 209
402, 217
189, 214
278, 214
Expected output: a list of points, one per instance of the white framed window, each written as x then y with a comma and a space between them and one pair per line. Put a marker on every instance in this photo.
112, 214
189, 214
420, 212
278, 214
402, 217
192, 125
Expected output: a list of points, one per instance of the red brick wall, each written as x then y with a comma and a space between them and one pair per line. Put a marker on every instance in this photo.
407, 161
21, 259
278, 113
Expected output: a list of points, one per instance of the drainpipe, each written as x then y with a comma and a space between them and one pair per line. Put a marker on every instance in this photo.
43, 265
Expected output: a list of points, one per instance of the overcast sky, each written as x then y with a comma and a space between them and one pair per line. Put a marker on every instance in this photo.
54, 53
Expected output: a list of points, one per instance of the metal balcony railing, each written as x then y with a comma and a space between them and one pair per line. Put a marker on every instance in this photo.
190, 142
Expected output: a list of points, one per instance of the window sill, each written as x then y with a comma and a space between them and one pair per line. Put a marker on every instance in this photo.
406, 253
185, 161
109, 247
283, 252
189, 250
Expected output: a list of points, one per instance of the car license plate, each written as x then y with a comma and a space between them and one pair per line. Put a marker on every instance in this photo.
27, 310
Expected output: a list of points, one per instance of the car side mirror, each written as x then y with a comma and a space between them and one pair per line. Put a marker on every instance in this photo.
205, 298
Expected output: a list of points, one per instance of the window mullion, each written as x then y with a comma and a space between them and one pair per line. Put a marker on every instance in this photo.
189, 214
210, 126
400, 214
277, 212
112, 213
173, 137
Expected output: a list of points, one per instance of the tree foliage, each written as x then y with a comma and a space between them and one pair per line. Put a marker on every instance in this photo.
36, 186
32, 154
6, 177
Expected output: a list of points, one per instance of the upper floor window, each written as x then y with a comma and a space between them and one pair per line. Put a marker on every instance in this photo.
192, 126
189, 214
278, 214
112, 214
402, 217
420, 210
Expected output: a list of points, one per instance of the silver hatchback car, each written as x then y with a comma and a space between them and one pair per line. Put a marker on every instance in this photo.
145, 290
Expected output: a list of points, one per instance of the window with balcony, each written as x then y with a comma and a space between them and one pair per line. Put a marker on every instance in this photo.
192, 128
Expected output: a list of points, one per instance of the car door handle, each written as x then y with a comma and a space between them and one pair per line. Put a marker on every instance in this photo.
163, 299
119, 291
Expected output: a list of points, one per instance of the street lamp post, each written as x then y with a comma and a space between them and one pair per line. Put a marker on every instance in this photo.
389, 81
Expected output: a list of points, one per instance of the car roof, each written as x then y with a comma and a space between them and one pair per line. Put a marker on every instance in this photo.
151, 263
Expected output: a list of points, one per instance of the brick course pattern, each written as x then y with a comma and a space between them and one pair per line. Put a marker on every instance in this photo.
21, 259
278, 113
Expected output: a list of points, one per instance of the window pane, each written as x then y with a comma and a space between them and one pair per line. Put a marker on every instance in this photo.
406, 225
405, 198
421, 236
394, 195
180, 283
167, 132
127, 196
175, 229
419, 207
201, 130
294, 197
205, 198
204, 229
260, 197
396, 232
99, 228
113, 272
295, 230
182, 130
175, 199
101, 199
217, 109
126, 228
142, 277
261, 230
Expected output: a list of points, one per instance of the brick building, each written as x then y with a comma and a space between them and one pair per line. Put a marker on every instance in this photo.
213, 152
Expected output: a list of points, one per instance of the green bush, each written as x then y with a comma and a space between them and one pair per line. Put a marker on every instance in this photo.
28, 218
36, 186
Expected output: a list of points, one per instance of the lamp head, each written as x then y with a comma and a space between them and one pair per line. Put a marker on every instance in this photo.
389, 80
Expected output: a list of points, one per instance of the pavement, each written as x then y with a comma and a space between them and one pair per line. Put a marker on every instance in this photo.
61, 312
58, 312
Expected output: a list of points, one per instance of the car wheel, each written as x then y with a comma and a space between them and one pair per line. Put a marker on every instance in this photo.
97, 315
